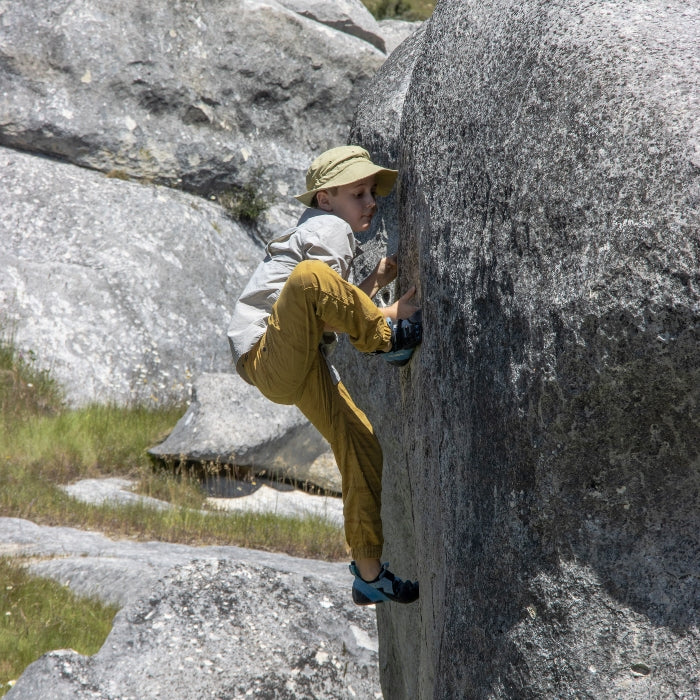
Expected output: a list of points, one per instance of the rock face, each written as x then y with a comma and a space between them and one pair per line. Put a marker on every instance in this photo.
542, 469
377, 125
213, 97
229, 422
202, 622
123, 290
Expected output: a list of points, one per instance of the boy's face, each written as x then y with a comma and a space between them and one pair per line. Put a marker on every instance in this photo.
354, 203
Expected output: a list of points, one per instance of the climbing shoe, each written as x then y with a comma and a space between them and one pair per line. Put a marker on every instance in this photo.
385, 587
406, 334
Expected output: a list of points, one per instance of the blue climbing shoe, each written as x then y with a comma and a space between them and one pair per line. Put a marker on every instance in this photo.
406, 335
385, 587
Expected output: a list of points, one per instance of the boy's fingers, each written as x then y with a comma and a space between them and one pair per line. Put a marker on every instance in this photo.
409, 293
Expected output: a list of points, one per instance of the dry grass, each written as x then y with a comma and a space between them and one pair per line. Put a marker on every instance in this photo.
44, 445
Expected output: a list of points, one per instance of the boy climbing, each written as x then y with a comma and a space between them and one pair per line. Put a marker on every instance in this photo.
296, 300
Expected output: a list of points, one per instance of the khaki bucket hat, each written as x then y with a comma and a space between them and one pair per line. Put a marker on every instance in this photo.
342, 166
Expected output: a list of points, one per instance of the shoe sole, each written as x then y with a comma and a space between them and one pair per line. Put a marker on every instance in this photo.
360, 599
398, 358
364, 594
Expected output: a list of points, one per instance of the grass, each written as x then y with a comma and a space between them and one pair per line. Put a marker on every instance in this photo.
43, 445
244, 203
409, 10
42, 452
38, 615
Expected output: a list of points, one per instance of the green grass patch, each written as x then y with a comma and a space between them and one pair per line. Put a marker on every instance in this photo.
27, 495
43, 452
38, 615
243, 203
408, 10
44, 444
24, 388
86, 442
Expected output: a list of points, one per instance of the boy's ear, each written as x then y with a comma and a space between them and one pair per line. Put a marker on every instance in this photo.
323, 200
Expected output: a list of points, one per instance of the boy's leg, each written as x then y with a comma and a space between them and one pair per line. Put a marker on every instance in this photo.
358, 454
314, 296
287, 366
334, 302
359, 457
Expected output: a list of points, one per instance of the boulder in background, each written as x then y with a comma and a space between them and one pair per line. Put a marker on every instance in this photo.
224, 99
347, 16
230, 423
124, 291
200, 622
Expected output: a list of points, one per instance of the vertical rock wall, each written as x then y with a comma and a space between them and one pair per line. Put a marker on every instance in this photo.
542, 476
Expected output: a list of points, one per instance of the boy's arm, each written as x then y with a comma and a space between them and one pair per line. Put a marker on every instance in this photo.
384, 273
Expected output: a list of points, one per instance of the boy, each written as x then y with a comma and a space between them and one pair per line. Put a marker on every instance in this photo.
298, 297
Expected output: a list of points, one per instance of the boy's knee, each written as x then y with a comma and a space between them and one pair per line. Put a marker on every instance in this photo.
306, 266
309, 272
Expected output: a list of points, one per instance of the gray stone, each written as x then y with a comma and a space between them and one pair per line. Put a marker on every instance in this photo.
112, 491
541, 449
220, 630
212, 97
396, 31
256, 495
124, 291
208, 624
348, 16
229, 422
278, 498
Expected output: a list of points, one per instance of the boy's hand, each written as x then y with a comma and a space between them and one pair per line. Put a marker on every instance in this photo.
402, 307
386, 270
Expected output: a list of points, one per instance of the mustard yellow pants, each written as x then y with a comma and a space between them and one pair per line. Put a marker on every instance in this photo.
288, 367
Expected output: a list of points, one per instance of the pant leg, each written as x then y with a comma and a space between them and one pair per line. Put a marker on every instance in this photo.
313, 296
287, 366
357, 452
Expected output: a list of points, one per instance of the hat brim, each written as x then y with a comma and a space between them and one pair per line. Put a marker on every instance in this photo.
384, 179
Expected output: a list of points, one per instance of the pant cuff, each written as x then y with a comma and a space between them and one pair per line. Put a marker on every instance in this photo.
372, 552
